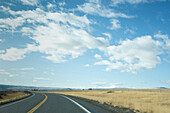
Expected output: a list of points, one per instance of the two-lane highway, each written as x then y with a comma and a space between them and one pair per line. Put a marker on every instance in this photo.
50, 103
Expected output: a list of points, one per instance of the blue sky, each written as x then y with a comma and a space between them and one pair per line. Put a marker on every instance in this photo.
82, 44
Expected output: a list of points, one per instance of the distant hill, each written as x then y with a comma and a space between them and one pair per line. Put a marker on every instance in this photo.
27, 88
162, 88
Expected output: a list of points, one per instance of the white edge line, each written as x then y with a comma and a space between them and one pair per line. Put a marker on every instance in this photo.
9, 104
77, 104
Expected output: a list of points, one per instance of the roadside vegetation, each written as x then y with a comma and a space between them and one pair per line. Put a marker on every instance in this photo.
9, 96
140, 100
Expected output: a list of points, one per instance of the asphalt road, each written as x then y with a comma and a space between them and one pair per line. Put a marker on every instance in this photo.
50, 103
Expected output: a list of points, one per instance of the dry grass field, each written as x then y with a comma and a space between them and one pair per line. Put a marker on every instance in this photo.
144, 100
8, 96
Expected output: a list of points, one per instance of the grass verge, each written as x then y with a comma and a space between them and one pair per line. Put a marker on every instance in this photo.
10, 96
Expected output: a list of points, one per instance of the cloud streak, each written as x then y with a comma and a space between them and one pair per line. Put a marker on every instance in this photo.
116, 2
94, 7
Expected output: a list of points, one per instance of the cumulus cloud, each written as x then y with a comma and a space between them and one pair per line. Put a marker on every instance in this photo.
50, 5
87, 65
59, 41
62, 4
165, 38
103, 62
59, 35
29, 2
95, 7
115, 24
97, 56
133, 55
14, 54
11, 23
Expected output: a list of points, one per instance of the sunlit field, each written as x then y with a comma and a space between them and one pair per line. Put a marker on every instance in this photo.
143, 100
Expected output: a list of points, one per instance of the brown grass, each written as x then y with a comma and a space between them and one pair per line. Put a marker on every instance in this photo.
9, 96
144, 100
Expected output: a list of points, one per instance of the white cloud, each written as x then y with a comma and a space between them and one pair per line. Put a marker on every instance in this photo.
133, 55
129, 31
97, 56
2, 51
11, 75
13, 23
167, 81
29, 2
60, 41
41, 78
87, 65
94, 7
108, 35
166, 60
115, 24
3, 72
14, 54
50, 5
27, 69
54, 39
103, 62
62, 4
106, 85
165, 38
115, 2
29, 16
1, 40
34, 80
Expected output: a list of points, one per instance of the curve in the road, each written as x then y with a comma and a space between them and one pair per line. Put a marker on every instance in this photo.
51, 103
37, 106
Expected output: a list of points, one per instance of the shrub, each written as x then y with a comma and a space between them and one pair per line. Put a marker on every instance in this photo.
110, 91
90, 89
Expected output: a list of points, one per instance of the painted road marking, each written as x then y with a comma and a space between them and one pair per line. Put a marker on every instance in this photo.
87, 111
6, 105
37, 106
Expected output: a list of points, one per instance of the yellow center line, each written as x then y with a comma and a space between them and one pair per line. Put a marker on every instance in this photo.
37, 106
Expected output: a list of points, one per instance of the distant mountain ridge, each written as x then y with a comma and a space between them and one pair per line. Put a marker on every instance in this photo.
162, 88
27, 88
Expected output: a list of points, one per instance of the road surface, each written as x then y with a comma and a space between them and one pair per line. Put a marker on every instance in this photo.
50, 103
